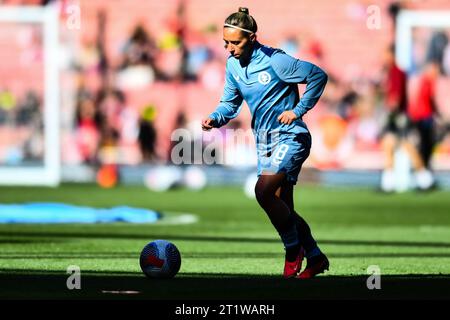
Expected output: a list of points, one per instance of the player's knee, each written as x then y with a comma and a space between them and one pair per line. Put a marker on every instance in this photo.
258, 193
263, 193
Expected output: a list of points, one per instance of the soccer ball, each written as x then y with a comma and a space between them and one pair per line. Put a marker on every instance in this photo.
160, 259
161, 179
194, 178
249, 185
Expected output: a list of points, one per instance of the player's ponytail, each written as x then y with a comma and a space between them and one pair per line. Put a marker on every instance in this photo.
242, 20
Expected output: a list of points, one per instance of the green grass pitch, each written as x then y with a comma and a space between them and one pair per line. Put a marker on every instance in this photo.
232, 252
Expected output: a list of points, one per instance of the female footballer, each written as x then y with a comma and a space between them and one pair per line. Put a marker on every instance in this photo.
267, 78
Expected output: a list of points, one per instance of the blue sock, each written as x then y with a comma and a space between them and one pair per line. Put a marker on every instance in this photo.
313, 253
290, 237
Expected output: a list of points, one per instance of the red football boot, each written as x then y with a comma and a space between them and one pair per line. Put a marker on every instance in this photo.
292, 268
319, 265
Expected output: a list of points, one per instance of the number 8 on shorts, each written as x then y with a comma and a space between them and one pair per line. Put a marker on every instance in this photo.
280, 154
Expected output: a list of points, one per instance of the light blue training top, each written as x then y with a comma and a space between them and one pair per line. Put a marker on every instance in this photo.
269, 86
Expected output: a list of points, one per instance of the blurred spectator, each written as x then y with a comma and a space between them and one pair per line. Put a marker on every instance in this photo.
138, 68
103, 64
29, 115
180, 123
128, 125
436, 49
171, 57
393, 9
87, 128
140, 49
7, 103
345, 104
147, 134
175, 51
88, 57
422, 109
110, 103
363, 124
198, 56
393, 88
28, 111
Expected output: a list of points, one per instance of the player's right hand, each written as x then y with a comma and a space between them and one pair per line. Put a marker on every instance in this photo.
207, 124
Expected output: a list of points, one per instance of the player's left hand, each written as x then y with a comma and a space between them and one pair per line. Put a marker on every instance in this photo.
287, 117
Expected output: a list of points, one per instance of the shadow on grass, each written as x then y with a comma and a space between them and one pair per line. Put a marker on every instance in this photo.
11, 255
15, 284
28, 241
148, 237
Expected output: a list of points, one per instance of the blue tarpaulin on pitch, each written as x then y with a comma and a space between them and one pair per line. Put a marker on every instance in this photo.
64, 213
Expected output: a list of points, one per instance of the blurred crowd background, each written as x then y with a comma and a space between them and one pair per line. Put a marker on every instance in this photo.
133, 71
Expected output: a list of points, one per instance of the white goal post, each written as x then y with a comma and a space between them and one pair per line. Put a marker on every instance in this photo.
409, 19
49, 172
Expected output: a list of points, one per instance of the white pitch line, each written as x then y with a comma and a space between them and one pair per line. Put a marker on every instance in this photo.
180, 218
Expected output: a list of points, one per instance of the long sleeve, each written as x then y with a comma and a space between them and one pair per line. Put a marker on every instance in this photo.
292, 70
230, 103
